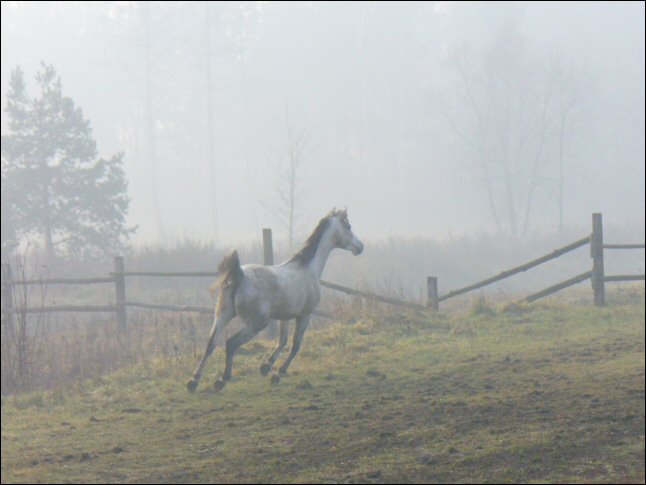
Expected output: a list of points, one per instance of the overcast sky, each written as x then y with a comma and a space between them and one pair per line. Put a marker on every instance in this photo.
401, 110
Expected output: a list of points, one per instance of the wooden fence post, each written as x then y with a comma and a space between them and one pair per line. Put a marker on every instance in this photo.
268, 247
7, 299
431, 287
596, 252
268, 260
120, 292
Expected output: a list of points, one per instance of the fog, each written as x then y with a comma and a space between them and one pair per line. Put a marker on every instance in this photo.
433, 120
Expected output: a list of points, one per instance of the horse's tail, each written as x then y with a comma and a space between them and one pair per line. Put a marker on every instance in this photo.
229, 275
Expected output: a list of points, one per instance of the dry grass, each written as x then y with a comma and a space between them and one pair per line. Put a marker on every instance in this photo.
522, 393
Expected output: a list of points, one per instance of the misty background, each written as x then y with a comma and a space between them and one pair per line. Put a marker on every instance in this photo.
497, 124
463, 138
375, 90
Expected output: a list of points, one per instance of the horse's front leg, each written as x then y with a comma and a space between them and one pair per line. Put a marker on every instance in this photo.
301, 326
282, 341
233, 344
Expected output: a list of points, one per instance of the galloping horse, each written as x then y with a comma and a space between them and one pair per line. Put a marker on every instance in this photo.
259, 294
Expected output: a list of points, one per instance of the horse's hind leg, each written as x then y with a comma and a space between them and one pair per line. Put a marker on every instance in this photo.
224, 312
301, 326
233, 344
282, 341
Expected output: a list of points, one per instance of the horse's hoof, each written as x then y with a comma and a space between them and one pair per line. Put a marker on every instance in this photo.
264, 369
219, 384
275, 379
191, 385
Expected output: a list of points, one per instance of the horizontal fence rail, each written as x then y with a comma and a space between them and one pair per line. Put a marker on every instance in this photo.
624, 246
171, 308
559, 286
372, 296
165, 274
197, 309
625, 277
65, 308
59, 281
113, 308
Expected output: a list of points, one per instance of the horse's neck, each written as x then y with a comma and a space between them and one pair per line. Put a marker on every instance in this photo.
325, 247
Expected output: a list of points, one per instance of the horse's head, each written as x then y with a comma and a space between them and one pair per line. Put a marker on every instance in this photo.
344, 238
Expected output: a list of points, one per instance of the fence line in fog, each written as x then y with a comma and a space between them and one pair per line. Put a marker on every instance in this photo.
118, 279
596, 274
518, 269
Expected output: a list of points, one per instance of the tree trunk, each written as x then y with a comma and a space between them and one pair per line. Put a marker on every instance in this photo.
150, 123
209, 122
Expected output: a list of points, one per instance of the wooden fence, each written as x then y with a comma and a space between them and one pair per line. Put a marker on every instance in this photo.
596, 274
118, 279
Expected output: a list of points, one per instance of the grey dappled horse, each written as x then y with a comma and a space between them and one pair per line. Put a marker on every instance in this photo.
259, 294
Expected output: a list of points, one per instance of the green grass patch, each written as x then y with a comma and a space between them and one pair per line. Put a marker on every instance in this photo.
534, 393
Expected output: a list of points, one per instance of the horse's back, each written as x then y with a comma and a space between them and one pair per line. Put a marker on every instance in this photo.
276, 292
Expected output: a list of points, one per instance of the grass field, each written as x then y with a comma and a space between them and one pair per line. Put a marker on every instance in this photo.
541, 393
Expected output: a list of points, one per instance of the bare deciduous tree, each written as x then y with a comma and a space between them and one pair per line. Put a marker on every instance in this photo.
513, 113
289, 185
568, 119
23, 335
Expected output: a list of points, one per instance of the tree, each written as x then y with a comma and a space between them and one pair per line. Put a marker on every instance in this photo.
60, 190
512, 112
8, 220
289, 189
569, 117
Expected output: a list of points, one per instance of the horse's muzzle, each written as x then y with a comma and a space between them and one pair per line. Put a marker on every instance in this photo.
357, 249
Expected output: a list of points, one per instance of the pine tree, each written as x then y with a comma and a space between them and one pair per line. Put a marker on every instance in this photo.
60, 190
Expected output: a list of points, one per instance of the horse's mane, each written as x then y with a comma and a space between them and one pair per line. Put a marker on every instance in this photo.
306, 254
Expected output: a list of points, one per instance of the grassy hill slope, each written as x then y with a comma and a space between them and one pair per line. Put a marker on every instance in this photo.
529, 394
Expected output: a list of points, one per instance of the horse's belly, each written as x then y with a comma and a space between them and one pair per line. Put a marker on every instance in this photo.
265, 309
263, 295
290, 306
